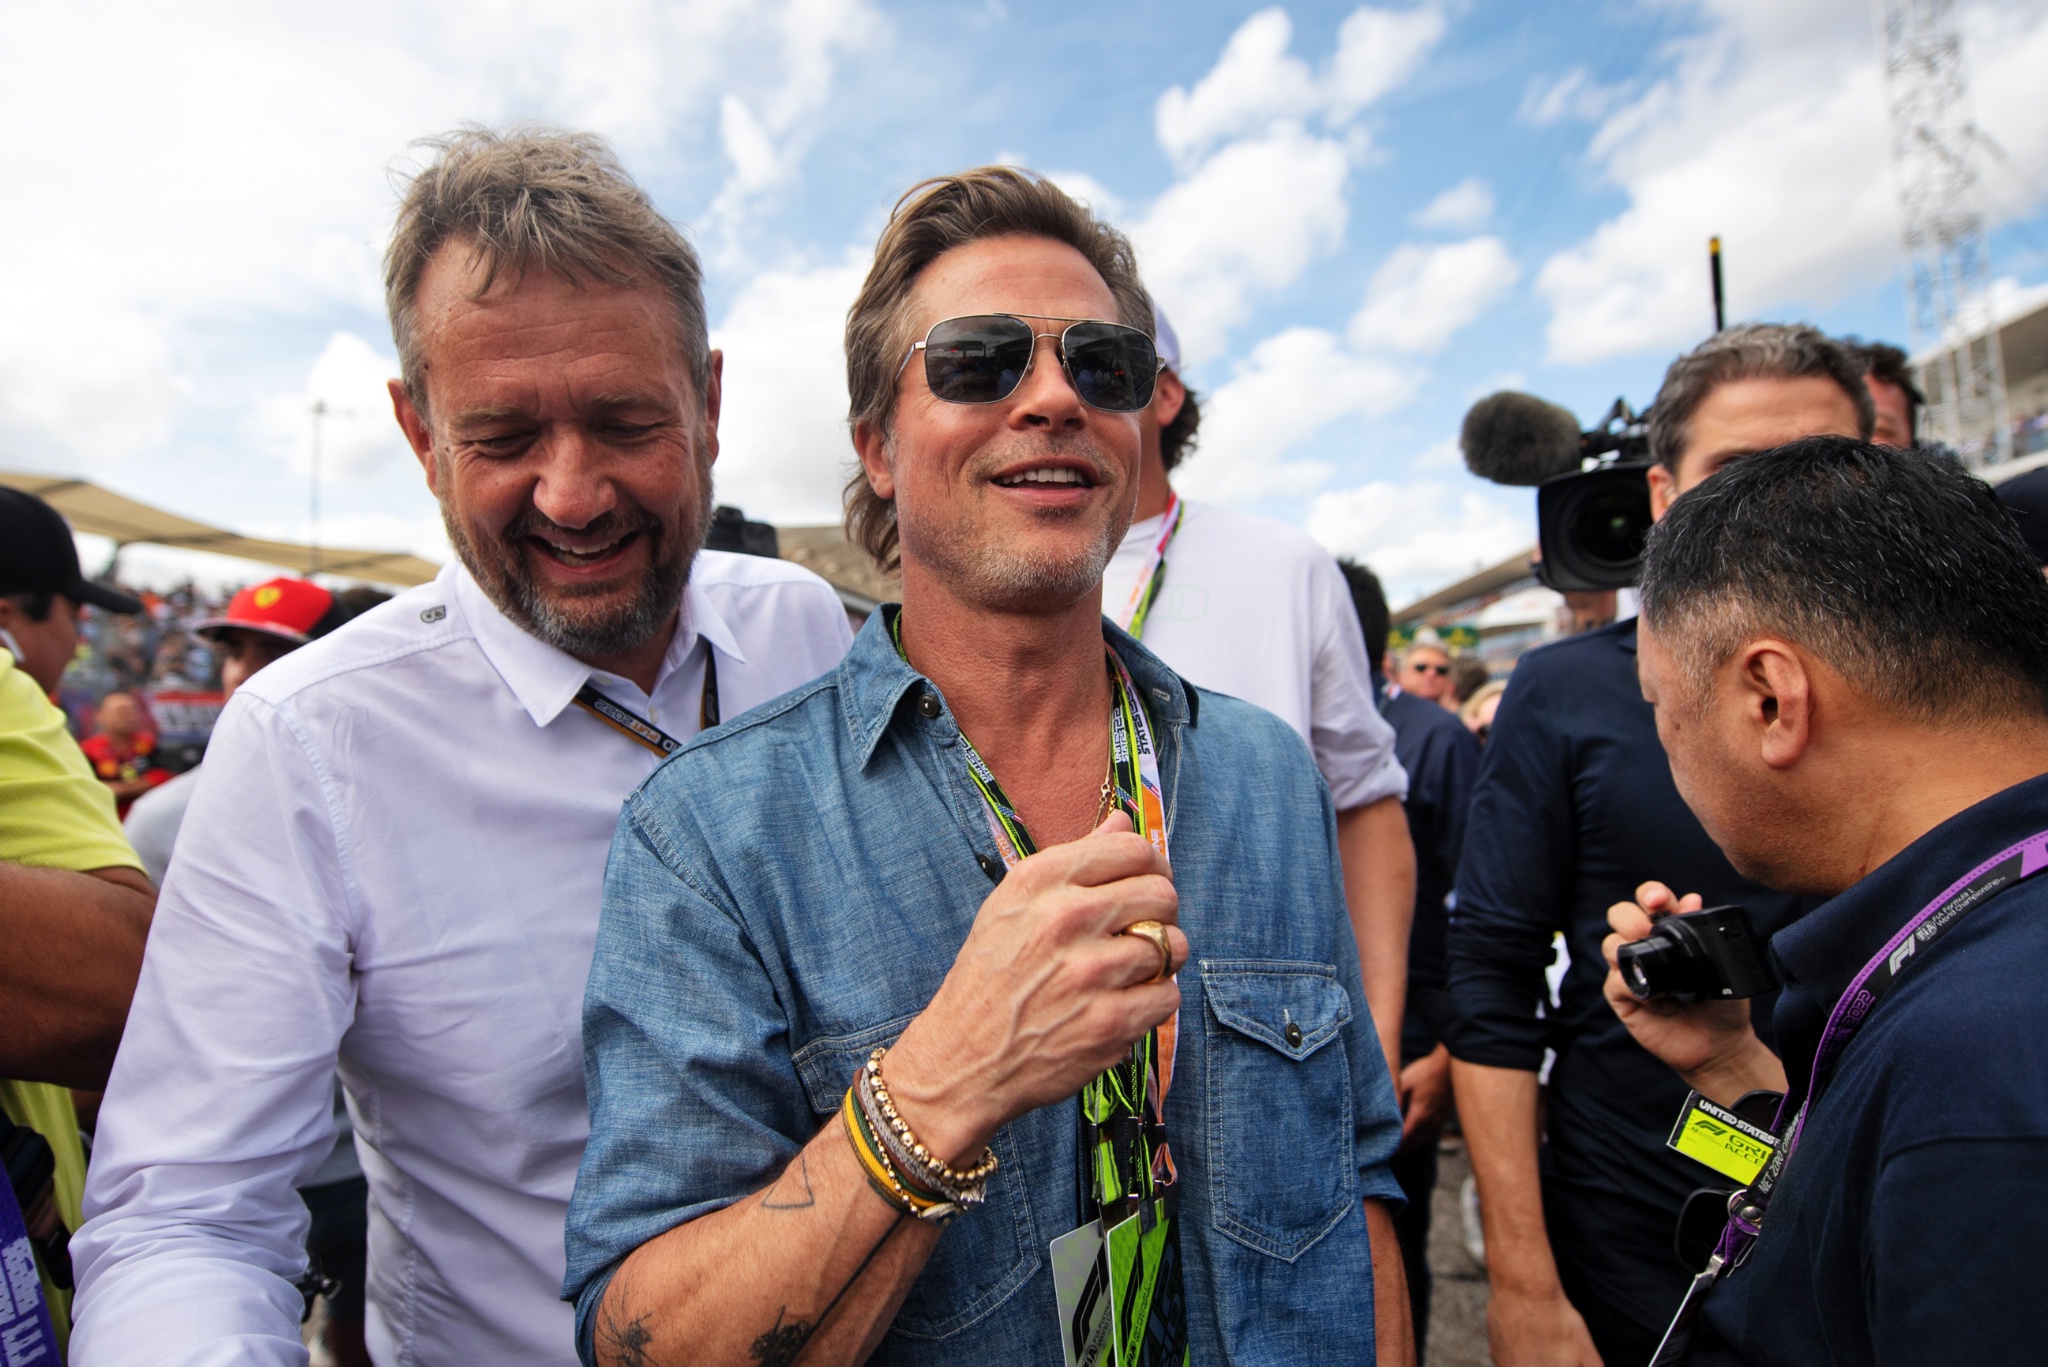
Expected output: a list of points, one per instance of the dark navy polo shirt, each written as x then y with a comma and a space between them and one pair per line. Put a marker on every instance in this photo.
1574, 807
1441, 758
1911, 1224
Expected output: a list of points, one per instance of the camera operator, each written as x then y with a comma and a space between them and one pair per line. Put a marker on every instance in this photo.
1574, 808
1847, 650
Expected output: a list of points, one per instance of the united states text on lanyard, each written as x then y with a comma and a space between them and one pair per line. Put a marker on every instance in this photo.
1117, 1277
635, 727
1746, 1208
1152, 574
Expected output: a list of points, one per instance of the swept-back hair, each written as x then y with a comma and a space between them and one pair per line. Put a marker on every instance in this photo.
1751, 351
931, 219
532, 197
1901, 571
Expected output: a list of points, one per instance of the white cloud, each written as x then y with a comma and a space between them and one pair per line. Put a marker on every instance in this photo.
784, 451
1257, 80
1460, 209
765, 139
359, 439
1422, 296
1377, 49
1440, 455
1417, 535
1253, 216
224, 161
1260, 194
1574, 95
1080, 185
1292, 386
1770, 131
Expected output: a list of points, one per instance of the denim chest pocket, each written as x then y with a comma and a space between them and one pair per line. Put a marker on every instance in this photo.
1281, 1144
986, 1254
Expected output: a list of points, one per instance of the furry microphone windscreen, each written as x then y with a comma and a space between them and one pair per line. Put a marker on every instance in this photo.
1512, 438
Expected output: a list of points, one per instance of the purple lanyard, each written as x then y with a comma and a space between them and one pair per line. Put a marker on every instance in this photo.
2013, 865
25, 1331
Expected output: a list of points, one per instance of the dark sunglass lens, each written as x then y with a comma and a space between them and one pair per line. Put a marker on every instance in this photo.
1112, 366
976, 360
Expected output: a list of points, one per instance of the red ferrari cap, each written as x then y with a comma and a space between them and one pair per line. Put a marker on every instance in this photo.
287, 608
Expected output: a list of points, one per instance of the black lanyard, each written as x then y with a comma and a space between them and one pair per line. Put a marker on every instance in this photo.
636, 727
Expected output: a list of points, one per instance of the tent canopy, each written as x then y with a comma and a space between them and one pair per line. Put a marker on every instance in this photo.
102, 512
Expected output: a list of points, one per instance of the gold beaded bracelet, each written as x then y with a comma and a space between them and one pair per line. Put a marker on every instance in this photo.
914, 1158
882, 1175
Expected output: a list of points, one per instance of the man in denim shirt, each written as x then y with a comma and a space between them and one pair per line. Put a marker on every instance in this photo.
754, 953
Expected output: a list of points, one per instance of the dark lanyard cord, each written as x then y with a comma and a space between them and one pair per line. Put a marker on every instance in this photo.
635, 727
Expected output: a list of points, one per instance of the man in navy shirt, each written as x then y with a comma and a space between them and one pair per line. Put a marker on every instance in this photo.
1847, 650
1440, 758
1573, 809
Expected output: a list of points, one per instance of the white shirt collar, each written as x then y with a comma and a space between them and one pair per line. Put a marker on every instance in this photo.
546, 679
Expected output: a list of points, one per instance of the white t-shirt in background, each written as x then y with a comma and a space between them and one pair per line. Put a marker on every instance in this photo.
1253, 608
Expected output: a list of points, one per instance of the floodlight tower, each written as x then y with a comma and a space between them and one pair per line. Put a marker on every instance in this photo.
1948, 252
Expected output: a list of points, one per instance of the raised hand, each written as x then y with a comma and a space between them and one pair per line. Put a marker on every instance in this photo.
1046, 993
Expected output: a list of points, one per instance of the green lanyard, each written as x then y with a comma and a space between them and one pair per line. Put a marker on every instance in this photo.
1152, 573
1123, 1129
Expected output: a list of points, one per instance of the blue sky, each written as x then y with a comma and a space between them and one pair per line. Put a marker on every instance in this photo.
1361, 218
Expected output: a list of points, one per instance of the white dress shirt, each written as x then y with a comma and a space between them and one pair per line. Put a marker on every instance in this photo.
395, 855
1253, 608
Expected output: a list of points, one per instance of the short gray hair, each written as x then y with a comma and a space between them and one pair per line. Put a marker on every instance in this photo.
1751, 351
533, 196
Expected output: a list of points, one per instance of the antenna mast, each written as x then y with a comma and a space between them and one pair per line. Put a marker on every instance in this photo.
1948, 252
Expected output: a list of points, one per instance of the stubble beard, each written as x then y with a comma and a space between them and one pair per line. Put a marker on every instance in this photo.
584, 624
977, 567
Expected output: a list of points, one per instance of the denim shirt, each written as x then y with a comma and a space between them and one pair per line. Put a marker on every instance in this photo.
789, 891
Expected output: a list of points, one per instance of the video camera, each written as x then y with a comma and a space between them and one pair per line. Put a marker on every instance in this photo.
1592, 485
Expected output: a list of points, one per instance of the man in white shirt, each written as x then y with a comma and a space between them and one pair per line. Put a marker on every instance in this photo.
397, 850
1254, 608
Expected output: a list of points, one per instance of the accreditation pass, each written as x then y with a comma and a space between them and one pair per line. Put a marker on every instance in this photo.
1722, 1140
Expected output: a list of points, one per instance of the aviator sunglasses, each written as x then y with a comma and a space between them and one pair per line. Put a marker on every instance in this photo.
984, 357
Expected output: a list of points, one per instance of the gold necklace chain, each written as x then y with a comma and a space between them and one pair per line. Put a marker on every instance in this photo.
1108, 780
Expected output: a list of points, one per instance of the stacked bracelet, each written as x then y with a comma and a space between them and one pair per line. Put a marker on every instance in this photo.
912, 1157
900, 1168
881, 1173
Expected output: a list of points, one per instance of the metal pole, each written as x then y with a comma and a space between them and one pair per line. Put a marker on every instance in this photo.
313, 498
1714, 264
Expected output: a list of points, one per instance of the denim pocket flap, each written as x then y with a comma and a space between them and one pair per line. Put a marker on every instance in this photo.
827, 1064
1292, 1008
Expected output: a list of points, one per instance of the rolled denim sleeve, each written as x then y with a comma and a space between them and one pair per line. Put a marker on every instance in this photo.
694, 1099
1514, 879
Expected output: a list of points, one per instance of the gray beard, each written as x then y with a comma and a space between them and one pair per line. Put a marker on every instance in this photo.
1004, 578
504, 579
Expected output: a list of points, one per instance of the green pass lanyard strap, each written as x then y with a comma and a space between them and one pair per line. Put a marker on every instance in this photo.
1152, 573
1123, 1111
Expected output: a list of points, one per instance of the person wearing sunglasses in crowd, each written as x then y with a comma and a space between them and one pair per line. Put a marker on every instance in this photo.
1256, 609
1424, 670
395, 852
922, 1071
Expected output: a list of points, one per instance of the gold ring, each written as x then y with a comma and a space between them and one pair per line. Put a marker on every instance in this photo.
1156, 933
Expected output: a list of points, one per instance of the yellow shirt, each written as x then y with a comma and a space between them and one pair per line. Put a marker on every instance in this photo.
53, 814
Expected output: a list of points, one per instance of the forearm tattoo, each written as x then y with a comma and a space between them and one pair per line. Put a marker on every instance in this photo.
781, 1344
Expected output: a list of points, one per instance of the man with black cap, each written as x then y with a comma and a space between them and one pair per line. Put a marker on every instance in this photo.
74, 906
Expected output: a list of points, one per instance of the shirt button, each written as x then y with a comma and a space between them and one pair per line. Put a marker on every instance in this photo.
991, 867
1293, 1035
928, 704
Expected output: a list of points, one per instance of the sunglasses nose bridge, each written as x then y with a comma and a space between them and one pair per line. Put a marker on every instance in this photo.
1059, 356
